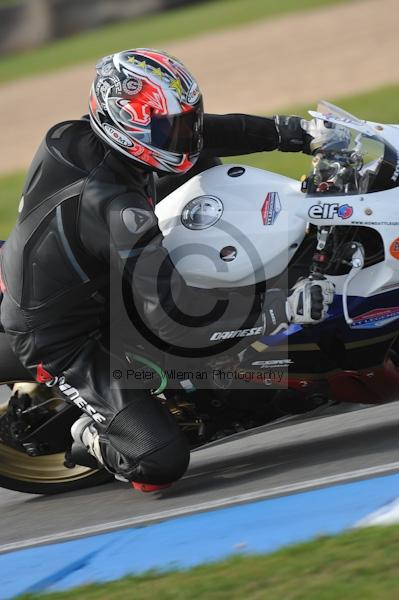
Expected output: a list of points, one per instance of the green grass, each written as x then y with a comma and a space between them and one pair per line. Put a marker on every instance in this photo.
358, 565
10, 194
152, 30
379, 105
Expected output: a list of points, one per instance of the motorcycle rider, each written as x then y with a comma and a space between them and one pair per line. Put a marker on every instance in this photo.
87, 208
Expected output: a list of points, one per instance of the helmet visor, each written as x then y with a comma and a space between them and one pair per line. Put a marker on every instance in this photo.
180, 133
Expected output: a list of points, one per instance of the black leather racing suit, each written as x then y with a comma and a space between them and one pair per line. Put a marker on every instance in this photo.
86, 211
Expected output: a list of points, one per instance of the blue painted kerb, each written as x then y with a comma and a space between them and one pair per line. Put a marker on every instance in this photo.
261, 526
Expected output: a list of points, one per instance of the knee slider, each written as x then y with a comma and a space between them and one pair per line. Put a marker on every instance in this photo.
165, 465
146, 442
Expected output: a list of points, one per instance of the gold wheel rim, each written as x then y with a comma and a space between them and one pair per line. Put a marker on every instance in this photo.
38, 469
48, 469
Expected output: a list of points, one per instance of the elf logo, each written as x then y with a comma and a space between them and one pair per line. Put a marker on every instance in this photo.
330, 211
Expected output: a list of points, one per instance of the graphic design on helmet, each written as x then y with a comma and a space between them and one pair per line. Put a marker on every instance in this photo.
147, 106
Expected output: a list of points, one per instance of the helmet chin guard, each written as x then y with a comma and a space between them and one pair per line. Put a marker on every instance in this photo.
147, 106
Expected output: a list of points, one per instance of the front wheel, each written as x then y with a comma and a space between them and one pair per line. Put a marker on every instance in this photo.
46, 473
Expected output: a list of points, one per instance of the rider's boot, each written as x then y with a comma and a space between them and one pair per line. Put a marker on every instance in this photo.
86, 443
86, 448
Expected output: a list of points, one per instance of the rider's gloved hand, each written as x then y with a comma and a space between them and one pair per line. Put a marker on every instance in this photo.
293, 135
309, 301
307, 304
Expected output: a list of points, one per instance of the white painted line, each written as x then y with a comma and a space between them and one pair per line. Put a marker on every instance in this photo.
203, 506
387, 515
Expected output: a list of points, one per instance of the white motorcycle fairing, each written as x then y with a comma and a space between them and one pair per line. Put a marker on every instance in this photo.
255, 230
265, 216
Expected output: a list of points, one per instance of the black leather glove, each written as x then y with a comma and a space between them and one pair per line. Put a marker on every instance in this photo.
307, 304
292, 136
275, 315
309, 301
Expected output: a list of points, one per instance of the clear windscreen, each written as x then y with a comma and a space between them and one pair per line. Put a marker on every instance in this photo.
332, 110
347, 159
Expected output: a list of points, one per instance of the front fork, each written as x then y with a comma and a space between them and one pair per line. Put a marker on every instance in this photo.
354, 257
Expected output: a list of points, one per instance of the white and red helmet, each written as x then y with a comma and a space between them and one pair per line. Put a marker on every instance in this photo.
145, 104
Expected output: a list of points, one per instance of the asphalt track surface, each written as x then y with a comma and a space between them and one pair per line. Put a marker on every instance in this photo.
277, 459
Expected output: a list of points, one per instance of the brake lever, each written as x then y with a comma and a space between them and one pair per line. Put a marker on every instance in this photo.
357, 262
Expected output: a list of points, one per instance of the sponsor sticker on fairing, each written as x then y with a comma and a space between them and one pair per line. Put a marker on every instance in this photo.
330, 211
394, 249
270, 208
378, 317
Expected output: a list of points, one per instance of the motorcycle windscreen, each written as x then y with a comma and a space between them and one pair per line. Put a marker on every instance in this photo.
331, 110
350, 161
